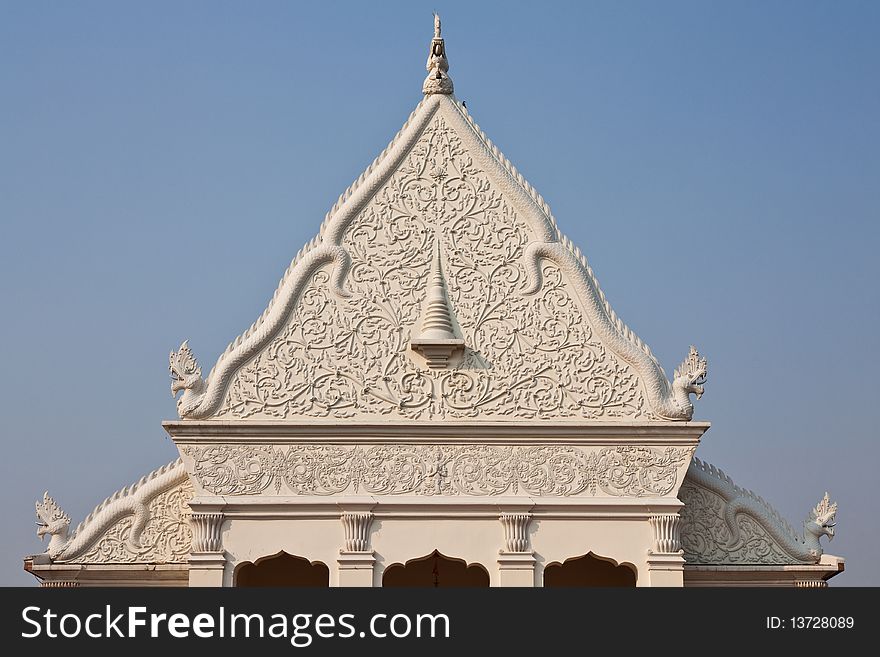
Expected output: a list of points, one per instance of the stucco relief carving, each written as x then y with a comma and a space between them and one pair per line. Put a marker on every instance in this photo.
143, 516
526, 357
477, 470
705, 535
723, 523
166, 538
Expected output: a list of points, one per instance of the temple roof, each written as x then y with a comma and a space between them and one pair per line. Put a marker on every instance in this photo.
438, 287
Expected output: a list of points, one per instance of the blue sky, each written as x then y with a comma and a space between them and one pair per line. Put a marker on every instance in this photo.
719, 164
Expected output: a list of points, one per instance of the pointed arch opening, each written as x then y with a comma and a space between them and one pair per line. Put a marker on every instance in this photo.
282, 569
436, 570
589, 570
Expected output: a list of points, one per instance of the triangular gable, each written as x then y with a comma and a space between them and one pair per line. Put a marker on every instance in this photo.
438, 288
540, 341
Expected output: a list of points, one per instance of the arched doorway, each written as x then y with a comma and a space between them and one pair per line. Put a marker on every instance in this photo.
435, 571
282, 570
589, 570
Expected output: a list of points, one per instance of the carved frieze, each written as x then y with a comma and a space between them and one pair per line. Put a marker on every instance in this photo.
476, 470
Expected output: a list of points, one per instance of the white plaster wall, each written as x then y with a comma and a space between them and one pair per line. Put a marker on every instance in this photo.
315, 539
621, 540
401, 538
398, 540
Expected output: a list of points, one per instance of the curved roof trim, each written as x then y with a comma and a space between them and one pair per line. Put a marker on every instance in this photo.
129, 501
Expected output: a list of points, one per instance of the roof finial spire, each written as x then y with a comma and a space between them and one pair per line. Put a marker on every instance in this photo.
438, 80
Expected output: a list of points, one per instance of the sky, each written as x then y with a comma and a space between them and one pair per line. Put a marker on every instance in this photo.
719, 163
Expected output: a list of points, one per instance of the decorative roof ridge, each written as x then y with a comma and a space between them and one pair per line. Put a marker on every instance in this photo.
319, 238
536, 197
126, 491
350, 190
130, 500
804, 548
733, 490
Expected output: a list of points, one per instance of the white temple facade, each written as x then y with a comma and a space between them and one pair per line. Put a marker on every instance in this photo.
437, 395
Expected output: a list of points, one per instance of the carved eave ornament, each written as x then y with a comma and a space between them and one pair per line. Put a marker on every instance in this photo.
516, 329
724, 524
142, 523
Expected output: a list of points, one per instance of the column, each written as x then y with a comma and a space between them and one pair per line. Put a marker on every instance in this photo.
665, 557
516, 561
356, 560
207, 559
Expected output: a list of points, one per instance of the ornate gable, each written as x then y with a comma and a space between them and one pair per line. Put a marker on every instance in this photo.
524, 331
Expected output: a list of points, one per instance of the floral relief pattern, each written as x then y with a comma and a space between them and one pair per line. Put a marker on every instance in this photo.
526, 357
705, 535
477, 470
167, 537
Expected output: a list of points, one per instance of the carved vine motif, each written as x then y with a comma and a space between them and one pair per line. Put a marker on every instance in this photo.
479, 470
167, 537
527, 356
705, 535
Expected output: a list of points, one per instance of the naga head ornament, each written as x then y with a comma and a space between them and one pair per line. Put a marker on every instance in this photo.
821, 520
692, 372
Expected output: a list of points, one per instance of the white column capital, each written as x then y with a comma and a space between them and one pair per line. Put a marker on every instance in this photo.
516, 532
667, 533
357, 531
356, 561
206, 531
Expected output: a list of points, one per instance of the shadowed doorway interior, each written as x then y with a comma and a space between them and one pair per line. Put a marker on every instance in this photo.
589, 570
282, 570
435, 571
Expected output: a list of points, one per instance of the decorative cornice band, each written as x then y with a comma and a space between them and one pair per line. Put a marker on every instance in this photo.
436, 470
594, 433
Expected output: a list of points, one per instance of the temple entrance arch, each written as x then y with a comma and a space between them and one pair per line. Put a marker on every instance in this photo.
435, 570
589, 570
282, 569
